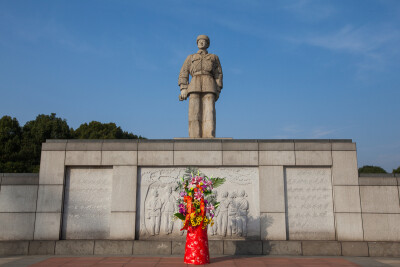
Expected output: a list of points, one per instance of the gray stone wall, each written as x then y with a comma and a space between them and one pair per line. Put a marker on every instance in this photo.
380, 206
18, 196
313, 178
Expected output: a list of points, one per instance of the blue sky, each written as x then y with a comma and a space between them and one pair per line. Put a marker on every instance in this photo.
292, 69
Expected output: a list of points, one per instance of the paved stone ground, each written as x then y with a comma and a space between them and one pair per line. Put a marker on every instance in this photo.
245, 261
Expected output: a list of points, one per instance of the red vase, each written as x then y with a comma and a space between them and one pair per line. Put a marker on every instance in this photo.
196, 250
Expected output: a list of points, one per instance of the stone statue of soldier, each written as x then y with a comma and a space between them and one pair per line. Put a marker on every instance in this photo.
203, 90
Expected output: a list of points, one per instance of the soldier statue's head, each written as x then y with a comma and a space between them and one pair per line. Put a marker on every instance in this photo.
203, 42
155, 193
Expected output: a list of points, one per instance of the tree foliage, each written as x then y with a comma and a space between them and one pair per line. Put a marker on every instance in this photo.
20, 147
98, 130
371, 169
396, 170
10, 144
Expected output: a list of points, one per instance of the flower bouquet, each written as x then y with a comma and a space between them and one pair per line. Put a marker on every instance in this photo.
197, 205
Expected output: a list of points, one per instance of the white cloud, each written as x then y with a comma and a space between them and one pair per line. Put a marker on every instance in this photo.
374, 45
310, 10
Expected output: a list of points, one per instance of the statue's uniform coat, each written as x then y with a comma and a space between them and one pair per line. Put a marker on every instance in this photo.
206, 73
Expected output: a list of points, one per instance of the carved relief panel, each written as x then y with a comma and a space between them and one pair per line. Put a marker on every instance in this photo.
236, 218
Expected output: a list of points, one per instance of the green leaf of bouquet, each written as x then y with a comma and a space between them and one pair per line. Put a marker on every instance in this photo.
216, 205
180, 216
218, 181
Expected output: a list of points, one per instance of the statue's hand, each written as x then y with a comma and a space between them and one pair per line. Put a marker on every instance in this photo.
183, 95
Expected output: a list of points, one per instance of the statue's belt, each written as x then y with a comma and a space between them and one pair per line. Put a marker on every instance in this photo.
201, 73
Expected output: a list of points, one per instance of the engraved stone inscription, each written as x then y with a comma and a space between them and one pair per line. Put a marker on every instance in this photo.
309, 204
87, 204
236, 218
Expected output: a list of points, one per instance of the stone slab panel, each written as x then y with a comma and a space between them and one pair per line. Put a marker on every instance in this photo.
381, 227
49, 198
198, 158
124, 183
59, 146
272, 186
384, 249
242, 247
216, 247
344, 169
355, 249
380, 199
273, 226
155, 158
377, 181
178, 247
276, 146
20, 179
87, 203
16, 226
74, 247
115, 158
125, 145
152, 145
18, 198
47, 226
52, 167
152, 247
240, 158
122, 225
155, 192
346, 198
84, 145
310, 204
312, 146
83, 158
14, 248
349, 227
321, 248
198, 146
344, 147
292, 248
279, 158
313, 158
112, 247
42, 247
240, 146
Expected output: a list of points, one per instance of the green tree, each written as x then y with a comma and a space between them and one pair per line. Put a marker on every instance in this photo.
396, 170
371, 169
20, 148
98, 130
35, 132
10, 145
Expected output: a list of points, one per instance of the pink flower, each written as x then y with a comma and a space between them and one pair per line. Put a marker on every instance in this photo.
198, 195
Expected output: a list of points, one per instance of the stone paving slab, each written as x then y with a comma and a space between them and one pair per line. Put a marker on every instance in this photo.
245, 261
